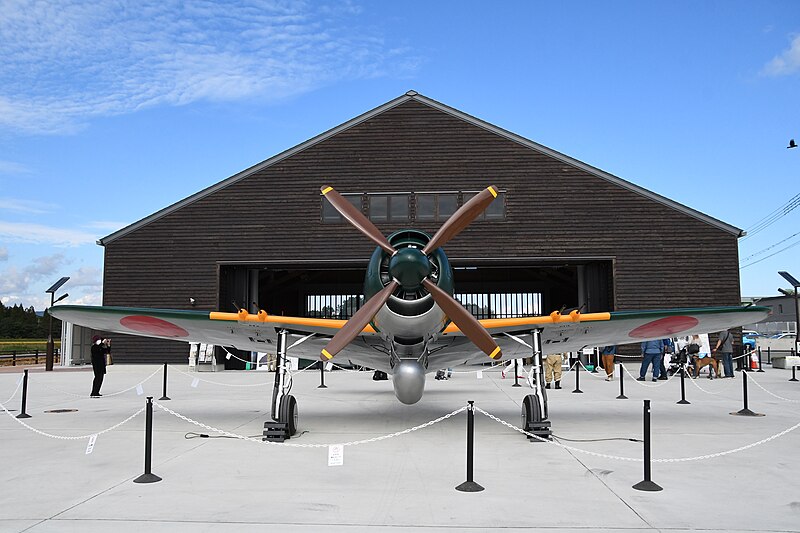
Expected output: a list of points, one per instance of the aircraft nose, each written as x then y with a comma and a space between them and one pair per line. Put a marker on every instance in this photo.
409, 266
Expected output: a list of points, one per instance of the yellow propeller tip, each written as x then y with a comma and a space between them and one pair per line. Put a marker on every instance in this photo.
496, 354
326, 190
326, 355
492, 190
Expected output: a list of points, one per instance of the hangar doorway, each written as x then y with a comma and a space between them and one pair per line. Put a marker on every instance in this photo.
490, 290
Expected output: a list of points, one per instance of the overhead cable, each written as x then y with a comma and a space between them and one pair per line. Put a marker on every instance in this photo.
745, 259
773, 217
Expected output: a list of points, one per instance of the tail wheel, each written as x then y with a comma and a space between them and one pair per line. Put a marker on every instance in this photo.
288, 413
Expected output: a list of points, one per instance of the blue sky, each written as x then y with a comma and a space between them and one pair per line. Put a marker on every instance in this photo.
110, 111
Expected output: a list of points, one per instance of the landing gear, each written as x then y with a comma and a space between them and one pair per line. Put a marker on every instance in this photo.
534, 406
284, 410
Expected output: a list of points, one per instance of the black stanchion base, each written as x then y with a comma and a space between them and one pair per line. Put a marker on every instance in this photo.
683, 402
516, 385
622, 397
23, 415
648, 486
794, 379
147, 478
322, 387
760, 370
469, 486
577, 391
164, 398
747, 412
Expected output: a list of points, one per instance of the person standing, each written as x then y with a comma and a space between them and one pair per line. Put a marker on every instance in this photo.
100, 347
652, 352
552, 369
725, 346
607, 355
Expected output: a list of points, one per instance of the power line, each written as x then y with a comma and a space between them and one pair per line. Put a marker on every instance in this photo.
768, 248
773, 217
770, 255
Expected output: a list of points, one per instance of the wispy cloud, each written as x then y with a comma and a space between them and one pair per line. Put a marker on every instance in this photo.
3, 253
788, 62
40, 234
25, 206
66, 61
15, 281
10, 167
22, 285
106, 225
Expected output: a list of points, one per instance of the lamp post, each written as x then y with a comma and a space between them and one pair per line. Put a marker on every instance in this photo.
791, 279
48, 362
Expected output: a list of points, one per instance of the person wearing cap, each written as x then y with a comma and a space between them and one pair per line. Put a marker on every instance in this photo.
100, 347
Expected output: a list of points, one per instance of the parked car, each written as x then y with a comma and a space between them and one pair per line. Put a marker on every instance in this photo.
749, 339
783, 336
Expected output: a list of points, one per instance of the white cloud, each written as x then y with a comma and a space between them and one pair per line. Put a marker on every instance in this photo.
106, 225
39, 234
26, 206
14, 281
66, 61
786, 63
26, 285
10, 167
3, 253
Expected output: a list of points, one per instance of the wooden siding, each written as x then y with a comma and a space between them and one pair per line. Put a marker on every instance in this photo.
661, 257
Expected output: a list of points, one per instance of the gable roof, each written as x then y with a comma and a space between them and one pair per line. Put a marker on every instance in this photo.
413, 95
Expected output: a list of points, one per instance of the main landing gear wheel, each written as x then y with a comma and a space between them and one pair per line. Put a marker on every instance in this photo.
530, 412
288, 413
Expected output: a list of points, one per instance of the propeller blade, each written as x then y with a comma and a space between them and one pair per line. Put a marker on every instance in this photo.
355, 325
467, 323
461, 218
357, 218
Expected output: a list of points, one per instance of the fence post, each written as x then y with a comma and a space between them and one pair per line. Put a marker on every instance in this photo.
469, 485
36, 356
13, 358
148, 476
647, 483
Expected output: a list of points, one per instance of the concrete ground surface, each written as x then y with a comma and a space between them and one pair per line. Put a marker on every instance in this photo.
403, 483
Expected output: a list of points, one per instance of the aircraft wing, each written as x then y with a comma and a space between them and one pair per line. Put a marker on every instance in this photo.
240, 330
572, 332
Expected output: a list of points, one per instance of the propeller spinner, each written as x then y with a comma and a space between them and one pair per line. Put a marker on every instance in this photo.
410, 268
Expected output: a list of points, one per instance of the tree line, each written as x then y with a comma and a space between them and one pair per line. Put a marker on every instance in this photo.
16, 322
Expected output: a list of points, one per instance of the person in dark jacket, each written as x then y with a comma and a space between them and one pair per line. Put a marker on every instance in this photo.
100, 347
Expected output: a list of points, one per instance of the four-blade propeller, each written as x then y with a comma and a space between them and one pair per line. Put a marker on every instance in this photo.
410, 269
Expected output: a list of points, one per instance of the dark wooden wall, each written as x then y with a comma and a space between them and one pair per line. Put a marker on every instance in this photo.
661, 257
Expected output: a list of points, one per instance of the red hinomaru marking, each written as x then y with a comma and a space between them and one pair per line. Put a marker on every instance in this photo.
664, 327
154, 326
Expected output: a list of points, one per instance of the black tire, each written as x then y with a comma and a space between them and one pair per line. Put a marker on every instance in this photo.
530, 411
289, 413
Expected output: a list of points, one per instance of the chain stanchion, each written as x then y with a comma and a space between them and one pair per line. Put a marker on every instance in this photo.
578, 366
683, 400
148, 476
164, 396
746, 410
759, 361
621, 386
322, 376
794, 376
769, 355
647, 483
469, 485
23, 414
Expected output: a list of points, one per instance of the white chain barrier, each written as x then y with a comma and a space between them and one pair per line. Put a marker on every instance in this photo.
695, 380
19, 384
634, 459
650, 385
749, 377
194, 376
293, 445
156, 371
80, 437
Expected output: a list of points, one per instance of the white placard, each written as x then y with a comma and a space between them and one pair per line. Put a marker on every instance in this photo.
195, 383
480, 374
228, 356
329, 366
90, 446
139, 389
335, 455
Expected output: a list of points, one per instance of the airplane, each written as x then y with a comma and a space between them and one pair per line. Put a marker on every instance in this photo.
410, 324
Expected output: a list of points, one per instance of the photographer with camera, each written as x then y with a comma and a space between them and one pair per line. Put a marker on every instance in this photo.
100, 348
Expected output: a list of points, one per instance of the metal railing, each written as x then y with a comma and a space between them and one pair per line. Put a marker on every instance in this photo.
24, 357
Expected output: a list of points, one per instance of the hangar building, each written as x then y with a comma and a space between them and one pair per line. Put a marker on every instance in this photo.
562, 234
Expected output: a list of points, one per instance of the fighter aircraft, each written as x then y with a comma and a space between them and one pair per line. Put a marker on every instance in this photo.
409, 324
